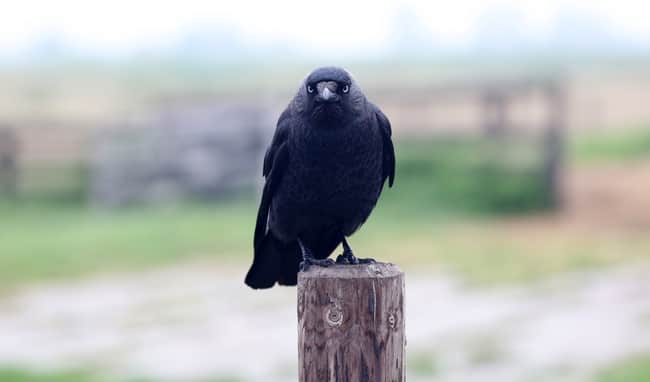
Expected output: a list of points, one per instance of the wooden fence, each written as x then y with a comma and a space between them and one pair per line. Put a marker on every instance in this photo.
486, 109
503, 112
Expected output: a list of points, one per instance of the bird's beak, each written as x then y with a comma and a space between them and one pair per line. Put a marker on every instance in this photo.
326, 94
327, 91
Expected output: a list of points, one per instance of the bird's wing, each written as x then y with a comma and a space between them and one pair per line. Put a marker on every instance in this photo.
275, 163
389, 150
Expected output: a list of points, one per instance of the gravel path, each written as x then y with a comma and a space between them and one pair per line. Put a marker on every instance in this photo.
199, 321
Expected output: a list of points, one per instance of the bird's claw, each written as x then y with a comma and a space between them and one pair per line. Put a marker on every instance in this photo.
306, 263
367, 261
346, 259
349, 258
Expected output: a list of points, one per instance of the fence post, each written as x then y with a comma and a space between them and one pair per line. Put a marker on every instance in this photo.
8, 162
495, 109
554, 141
351, 323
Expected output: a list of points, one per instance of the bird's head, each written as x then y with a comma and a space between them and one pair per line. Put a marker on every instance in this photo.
329, 95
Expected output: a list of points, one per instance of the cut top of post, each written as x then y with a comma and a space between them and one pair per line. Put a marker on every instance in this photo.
361, 271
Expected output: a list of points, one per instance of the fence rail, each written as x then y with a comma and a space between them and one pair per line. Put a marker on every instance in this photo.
484, 110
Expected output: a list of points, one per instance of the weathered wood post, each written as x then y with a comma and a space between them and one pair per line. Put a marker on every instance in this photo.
351, 323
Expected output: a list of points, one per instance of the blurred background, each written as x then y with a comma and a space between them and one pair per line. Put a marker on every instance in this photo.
131, 138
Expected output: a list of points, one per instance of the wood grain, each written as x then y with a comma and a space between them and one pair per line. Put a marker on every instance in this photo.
351, 323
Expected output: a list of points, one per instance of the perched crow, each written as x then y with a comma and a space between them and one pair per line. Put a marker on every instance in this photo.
325, 168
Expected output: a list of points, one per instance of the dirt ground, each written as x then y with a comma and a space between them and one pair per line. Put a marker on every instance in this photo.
610, 195
608, 199
199, 321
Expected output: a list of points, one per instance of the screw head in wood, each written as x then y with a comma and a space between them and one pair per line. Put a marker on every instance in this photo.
392, 321
334, 317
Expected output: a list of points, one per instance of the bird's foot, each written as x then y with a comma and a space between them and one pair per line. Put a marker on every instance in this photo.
350, 258
308, 262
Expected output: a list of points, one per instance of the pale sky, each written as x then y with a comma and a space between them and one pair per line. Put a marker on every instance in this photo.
123, 26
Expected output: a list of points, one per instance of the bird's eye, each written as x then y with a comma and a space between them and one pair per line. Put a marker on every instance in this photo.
310, 89
346, 88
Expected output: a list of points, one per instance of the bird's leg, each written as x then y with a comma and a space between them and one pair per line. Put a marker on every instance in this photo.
308, 258
347, 257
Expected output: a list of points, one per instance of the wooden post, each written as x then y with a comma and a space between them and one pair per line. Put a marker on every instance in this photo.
8, 162
495, 110
554, 142
351, 323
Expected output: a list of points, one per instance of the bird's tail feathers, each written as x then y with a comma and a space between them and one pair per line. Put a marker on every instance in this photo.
274, 261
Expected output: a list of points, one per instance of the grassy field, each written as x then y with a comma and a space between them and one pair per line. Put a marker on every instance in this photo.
51, 233
633, 370
441, 215
17, 375
70, 241
593, 148
52, 241
450, 208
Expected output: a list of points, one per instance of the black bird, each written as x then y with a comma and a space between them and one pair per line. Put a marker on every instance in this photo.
329, 159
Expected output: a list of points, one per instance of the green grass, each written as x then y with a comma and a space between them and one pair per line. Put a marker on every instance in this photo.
423, 364
633, 370
39, 241
611, 146
469, 175
16, 375
42, 242
19, 375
